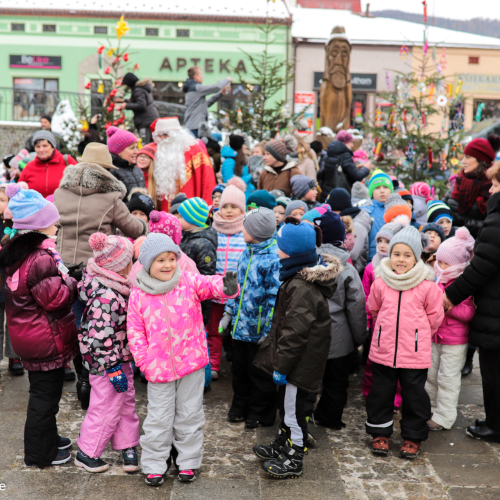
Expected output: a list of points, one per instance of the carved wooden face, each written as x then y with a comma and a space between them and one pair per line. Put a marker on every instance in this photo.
338, 55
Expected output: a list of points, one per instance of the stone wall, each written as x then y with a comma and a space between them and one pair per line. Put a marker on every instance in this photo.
13, 136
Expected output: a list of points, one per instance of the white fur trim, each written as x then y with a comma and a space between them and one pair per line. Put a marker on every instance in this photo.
166, 125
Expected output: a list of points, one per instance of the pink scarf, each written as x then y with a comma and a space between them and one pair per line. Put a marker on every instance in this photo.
444, 276
109, 278
224, 226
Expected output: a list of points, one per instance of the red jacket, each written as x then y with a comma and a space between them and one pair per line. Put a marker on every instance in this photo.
44, 177
39, 313
200, 176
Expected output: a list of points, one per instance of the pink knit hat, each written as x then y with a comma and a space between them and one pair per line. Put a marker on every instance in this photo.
238, 182
456, 250
111, 252
234, 196
164, 223
344, 136
421, 189
360, 155
119, 139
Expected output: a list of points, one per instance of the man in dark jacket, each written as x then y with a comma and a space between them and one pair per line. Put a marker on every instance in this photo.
481, 279
340, 171
296, 350
196, 104
142, 104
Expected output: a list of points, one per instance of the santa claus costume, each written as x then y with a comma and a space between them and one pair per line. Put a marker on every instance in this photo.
181, 165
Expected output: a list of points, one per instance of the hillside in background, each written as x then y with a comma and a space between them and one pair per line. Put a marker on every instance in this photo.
478, 25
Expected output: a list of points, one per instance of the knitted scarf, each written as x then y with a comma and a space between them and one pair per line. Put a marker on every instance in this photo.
444, 276
224, 226
406, 281
108, 278
153, 286
292, 265
470, 189
377, 259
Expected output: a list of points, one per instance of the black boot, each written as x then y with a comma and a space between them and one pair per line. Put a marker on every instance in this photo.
16, 366
483, 433
467, 369
288, 464
274, 449
83, 388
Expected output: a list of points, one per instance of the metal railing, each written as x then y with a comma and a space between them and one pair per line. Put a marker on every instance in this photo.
30, 104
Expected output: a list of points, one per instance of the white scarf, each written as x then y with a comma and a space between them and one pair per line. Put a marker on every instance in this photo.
406, 281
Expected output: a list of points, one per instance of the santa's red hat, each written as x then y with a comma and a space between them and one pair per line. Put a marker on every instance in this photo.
163, 126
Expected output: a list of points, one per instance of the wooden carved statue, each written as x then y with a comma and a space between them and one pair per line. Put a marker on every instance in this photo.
336, 90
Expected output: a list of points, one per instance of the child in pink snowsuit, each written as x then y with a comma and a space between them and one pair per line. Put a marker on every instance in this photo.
105, 289
167, 338
383, 238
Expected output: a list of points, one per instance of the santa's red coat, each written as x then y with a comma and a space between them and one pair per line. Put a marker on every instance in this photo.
200, 176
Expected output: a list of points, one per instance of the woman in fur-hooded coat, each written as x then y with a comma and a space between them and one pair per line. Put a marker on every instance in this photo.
90, 200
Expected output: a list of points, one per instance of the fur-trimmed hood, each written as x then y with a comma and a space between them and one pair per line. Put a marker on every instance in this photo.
324, 277
145, 81
89, 178
288, 166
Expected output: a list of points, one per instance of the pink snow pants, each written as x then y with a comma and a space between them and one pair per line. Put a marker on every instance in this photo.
111, 416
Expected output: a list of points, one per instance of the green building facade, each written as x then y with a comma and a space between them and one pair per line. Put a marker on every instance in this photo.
56, 54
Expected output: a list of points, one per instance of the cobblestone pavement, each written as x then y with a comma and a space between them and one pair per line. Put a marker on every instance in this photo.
341, 466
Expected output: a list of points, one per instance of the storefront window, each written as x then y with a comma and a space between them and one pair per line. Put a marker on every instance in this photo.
358, 108
168, 92
491, 109
238, 97
34, 97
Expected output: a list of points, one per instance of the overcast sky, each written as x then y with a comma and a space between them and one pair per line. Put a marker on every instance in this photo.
453, 9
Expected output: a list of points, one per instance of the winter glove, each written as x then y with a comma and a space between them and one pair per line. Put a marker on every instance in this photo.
230, 281
118, 378
225, 325
279, 378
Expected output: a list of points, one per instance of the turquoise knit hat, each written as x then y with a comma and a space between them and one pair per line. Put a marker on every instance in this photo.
379, 178
194, 211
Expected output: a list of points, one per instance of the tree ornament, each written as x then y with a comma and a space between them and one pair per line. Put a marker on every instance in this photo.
107, 70
100, 49
479, 111
88, 86
424, 3
378, 116
458, 88
421, 87
442, 100
387, 80
404, 53
442, 60
121, 28
239, 116
110, 52
136, 67
378, 148
100, 88
410, 151
125, 57
116, 61
430, 158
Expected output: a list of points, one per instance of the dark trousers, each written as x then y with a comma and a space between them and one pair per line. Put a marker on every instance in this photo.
489, 361
254, 391
292, 403
146, 135
416, 403
334, 396
40, 432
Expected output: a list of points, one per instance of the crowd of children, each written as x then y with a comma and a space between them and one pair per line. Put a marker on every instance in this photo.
288, 287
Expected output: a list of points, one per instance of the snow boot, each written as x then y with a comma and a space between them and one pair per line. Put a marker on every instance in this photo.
288, 464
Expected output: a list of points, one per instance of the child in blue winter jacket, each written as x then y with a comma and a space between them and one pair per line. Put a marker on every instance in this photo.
236, 163
380, 187
249, 317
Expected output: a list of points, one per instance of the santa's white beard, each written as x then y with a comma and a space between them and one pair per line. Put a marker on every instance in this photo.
170, 165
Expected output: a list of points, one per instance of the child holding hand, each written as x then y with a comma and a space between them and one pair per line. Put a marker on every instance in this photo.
406, 307
167, 339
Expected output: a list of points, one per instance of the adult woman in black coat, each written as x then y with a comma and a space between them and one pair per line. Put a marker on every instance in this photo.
339, 154
481, 279
467, 200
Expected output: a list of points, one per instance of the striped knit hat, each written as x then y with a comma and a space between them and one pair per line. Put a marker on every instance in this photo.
421, 189
278, 149
379, 178
148, 150
437, 210
194, 211
111, 252
394, 206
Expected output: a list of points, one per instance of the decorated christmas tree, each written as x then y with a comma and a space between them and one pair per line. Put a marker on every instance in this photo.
403, 143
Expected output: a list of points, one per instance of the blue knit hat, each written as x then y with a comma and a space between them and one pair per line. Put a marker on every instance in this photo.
218, 189
30, 210
296, 239
261, 198
194, 211
437, 210
437, 229
379, 178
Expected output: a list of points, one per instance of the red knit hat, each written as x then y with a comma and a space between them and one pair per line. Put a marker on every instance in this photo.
480, 149
148, 150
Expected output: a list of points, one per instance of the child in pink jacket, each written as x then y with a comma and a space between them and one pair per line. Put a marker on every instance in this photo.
167, 339
383, 238
407, 309
450, 342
